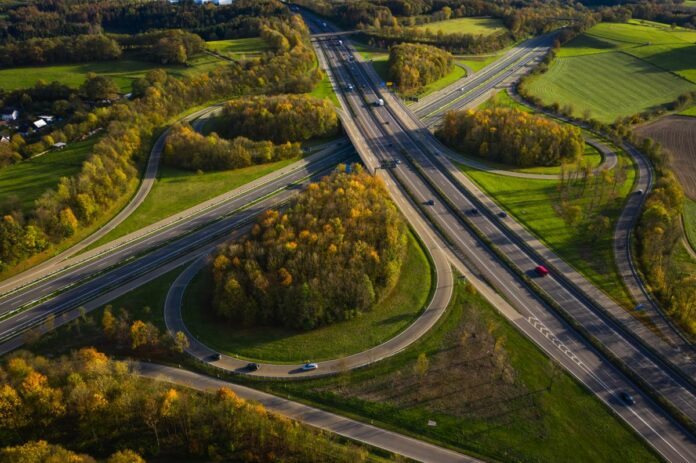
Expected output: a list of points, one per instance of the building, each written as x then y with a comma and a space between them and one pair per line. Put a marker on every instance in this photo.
60, 145
11, 115
39, 123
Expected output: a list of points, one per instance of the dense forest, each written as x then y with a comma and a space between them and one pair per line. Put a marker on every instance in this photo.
90, 403
187, 149
335, 251
51, 18
280, 118
413, 66
109, 172
511, 136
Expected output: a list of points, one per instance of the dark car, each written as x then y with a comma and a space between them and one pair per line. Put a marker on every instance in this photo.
502, 214
627, 398
252, 366
430, 202
216, 356
473, 211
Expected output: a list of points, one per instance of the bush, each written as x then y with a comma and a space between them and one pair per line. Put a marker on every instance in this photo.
511, 136
332, 255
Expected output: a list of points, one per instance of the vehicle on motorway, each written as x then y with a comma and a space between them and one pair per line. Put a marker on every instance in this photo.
473, 211
252, 366
216, 356
627, 398
639, 192
379, 102
340, 42
309, 366
430, 202
398, 161
541, 270
502, 214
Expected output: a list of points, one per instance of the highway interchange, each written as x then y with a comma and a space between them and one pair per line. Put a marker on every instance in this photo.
383, 136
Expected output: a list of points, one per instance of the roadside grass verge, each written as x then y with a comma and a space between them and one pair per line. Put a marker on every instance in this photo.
489, 391
239, 49
123, 71
324, 90
396, 311
690, 221
469, 25
30, 178
532, 203
177, 190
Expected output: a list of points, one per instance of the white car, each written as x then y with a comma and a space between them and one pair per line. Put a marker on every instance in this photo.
309, 366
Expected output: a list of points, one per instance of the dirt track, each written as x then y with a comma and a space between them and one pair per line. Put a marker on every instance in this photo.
677, 134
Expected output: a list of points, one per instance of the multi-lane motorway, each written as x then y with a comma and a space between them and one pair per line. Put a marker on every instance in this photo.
392, 139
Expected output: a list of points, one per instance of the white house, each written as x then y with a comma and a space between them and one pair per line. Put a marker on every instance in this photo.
39, 123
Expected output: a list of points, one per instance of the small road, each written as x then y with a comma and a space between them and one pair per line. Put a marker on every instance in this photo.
317, 418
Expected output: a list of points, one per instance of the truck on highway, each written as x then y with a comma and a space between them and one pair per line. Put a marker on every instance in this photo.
340, 43
379, 102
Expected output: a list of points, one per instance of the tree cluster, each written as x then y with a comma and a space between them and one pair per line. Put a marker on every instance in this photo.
279, 118
187, 149
91, 403
413, 66
511, 136
172, 46
77, 49
109, 171
336, 251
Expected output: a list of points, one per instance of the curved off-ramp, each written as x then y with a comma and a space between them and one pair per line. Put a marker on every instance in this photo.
442, 294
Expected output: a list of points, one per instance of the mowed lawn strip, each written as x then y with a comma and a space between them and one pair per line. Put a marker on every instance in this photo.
607, 85
473, 25
531, 202
391, 315
547, 417
177, 190
29, 179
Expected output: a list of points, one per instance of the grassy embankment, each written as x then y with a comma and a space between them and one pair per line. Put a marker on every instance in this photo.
690, 221
392, 314
488, 389
615, 70
473, 25
124, 71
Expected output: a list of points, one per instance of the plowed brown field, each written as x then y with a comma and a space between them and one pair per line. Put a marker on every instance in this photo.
677, 134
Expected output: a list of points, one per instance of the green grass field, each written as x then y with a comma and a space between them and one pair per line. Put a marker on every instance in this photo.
475, 26
539, 414
616, 70
324, 90
29, 179
177, 190
690, 221
689, 111
123, 72
239, 49
390, 316
531, 202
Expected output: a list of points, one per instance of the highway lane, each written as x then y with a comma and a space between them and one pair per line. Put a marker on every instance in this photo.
346, 427
378, 136
171, 240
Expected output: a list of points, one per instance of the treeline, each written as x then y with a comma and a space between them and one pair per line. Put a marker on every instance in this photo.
280, 118
335, 252
511, 136
166, 47
187, 149
658, 234
51, 18
108, 173
90, 403
413, 66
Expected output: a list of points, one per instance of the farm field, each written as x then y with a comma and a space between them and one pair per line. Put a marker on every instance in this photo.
490, 391
616, 70
392, 314
29, 179
474, 26
122, 71
678, 135
532, 203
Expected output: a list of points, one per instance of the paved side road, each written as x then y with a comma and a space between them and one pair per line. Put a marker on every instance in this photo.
352, 429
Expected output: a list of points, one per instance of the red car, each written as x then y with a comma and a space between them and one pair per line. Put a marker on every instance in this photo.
541, 270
